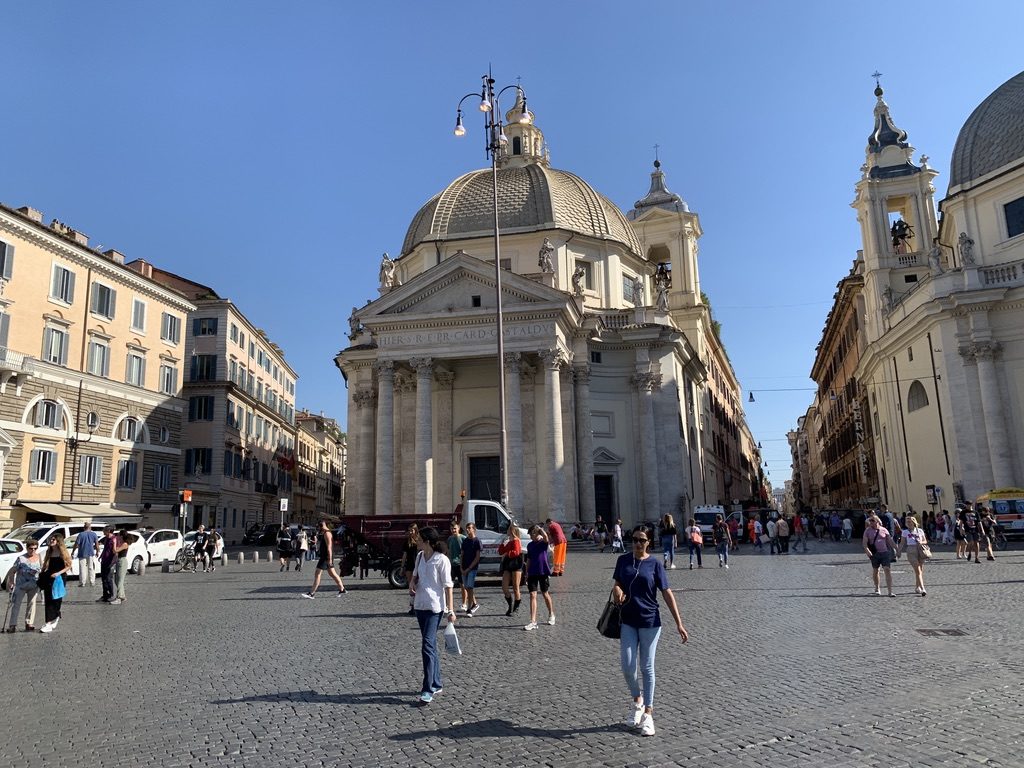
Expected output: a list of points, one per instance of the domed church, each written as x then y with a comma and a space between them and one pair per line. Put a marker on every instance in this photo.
942, 371
608, 351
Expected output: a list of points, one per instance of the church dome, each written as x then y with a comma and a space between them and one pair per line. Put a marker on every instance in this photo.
532, 197
993, 135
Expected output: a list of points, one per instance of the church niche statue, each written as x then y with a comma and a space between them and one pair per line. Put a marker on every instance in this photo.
637, 293
354, 326
935, 258
966, 249
577, 280
662, 282
388, 277
544, 261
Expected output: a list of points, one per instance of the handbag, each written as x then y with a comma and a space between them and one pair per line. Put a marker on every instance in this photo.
451, 640
57, 591
610, 623
924, 552
696, 537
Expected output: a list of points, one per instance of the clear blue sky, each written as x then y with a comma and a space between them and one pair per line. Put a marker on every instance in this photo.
274, 150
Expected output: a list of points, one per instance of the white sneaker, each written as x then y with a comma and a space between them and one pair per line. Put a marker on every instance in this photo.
636, 713
917, 589
551, 620
530, 626
116, 601
726, 566
647, 724
672, 567
48, 628
308, 595
877, 592
463, 607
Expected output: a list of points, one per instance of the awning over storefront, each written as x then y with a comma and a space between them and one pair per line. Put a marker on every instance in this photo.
64, 511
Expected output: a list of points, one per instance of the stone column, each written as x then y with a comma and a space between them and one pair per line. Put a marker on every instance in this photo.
645, 384
423, 497
406, 448
384, 471
445, 440
555, 453
365, 400
514, 429
995, 417
584, 444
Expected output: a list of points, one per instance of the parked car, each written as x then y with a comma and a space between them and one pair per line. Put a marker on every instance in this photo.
162, 544
137, 553
260, 535
10, 550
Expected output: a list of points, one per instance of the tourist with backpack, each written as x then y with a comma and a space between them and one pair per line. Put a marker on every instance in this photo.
694, 542
972, 533
880, 548
723, 541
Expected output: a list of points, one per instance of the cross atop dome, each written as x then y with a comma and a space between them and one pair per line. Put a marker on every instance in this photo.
888, 152
659, 195
525, 140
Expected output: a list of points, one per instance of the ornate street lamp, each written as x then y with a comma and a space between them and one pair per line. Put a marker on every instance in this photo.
74, 442
494, 143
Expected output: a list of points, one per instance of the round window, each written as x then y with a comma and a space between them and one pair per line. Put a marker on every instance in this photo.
165, 434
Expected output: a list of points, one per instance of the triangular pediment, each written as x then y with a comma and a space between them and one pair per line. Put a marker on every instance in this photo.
604, 456
462, 284
6, 441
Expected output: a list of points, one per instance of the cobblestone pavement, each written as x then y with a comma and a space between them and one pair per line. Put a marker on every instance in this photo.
791, 662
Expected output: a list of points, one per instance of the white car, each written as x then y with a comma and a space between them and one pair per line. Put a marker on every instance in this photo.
10, 550
190, 539
137, 553
162, 544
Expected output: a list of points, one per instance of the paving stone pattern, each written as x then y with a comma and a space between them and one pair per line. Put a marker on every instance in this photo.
791, 662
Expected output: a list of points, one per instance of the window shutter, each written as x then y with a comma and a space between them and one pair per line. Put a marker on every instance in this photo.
195, 326
193, 367
142, 371
213, 325
34, 464
63, 349
106, 361
113, 302
7, 257
53, 282
192, 409
47, 333
51, 469
228, 461
163, 326
189, 461
5, 322
71, 287
99, 470
83, 475
94, 299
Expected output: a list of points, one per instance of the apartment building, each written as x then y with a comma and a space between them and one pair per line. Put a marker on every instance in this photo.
321, 467
91, 362
239, 436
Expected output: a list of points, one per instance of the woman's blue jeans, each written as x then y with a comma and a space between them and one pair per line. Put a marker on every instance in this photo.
636, 653
429, 622
698, 549
723, 552
668, 546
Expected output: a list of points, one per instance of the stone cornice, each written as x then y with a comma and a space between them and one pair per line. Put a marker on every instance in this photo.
86, 257
391, 324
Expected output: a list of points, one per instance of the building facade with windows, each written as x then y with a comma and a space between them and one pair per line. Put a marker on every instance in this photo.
239, 437
321, 467
91, 363
606, 401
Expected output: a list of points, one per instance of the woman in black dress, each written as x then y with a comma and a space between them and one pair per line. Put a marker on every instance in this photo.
56, 563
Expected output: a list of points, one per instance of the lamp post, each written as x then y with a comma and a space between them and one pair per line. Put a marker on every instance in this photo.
73, 442
495, 141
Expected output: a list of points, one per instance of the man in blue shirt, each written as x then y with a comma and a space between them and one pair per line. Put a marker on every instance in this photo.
85, 551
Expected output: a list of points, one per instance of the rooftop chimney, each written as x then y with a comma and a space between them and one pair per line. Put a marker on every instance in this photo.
118, 258
32, 213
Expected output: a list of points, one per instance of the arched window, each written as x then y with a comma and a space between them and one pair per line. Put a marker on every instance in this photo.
49, 413
517, 145
916, 397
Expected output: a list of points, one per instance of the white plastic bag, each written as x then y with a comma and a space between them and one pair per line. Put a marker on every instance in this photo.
451, 640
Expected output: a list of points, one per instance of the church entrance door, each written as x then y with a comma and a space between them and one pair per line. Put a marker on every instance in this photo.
604, 498
484, 478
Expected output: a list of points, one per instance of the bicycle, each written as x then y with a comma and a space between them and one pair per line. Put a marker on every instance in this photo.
998, 538
185, 559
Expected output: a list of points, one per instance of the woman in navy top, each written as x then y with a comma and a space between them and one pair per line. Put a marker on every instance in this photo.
638, 579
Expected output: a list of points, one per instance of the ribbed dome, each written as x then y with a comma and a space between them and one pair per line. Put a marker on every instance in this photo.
531, 198
993, 135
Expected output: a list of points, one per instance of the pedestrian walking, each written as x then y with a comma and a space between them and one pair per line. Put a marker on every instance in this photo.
431, 588
723, 541
758, 533
455, 538
312, 546
667, 533
56, 564
22, 586
213, 541
835, 524
617, 545
85, 550
782, 533
913, 537
284, 548
988, 531
108, 563
511, 551
638, 578
880, 549
773, 537
471, 550
947, 528
538, 570
412, 549
601, 534
121, 546
799, 531
559, 545
694, 542
972, 533
959, 536
301, 545
325, 562
734, 533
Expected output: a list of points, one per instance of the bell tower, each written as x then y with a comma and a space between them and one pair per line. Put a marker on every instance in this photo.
895, 204
525, 140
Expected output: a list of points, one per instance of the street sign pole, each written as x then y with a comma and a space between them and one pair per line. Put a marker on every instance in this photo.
284, 508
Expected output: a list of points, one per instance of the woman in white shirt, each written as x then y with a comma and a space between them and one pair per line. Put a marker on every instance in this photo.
431, 590
912, 536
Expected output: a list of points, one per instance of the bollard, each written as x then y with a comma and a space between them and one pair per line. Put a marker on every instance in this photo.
256, 556
270, 555
165, 566
142, 568
223, 559
241, 557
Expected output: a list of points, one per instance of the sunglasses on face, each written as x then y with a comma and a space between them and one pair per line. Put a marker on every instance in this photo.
639, 541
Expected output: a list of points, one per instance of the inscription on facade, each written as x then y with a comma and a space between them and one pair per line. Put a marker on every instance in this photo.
463, 335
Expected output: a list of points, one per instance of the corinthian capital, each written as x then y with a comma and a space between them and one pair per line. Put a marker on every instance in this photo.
646, 381
581, 374
553, 358
385, 369
988, 350
364, 398
445, 379
513, 361
424, 366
